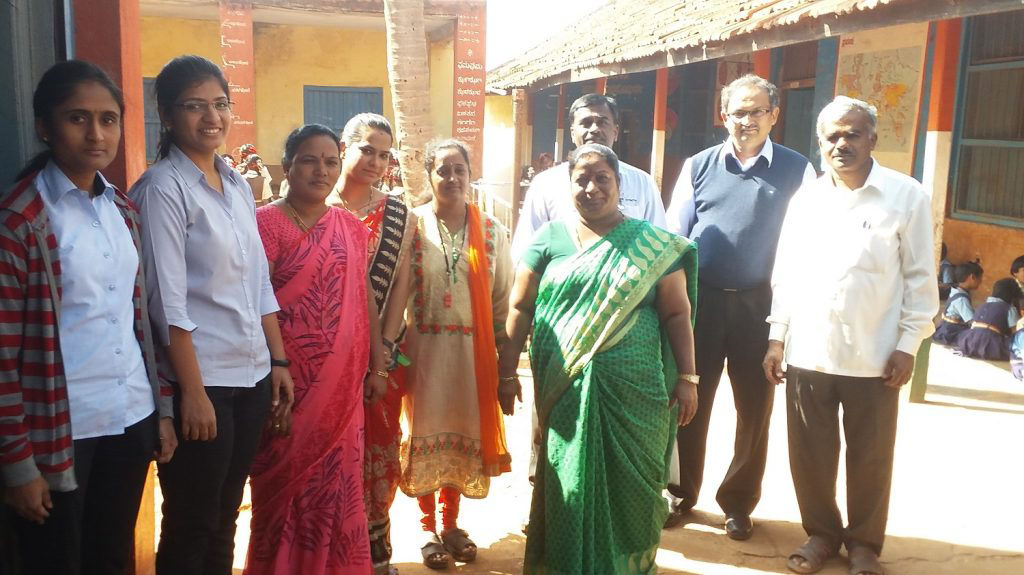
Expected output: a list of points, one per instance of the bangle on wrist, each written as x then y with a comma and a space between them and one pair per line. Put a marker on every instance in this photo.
280, 362
509, 379
688, 378
379, 372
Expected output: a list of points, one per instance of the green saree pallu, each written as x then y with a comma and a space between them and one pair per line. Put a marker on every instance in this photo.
604, 372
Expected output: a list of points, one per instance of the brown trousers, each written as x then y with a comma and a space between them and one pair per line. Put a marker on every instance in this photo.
869, 426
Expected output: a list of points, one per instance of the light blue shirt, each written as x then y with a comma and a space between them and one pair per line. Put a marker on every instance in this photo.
206, 269
960, 307
108, 389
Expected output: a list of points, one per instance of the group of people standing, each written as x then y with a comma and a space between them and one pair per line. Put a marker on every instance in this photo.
285, 343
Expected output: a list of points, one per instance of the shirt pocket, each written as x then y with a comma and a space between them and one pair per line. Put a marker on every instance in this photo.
871, 246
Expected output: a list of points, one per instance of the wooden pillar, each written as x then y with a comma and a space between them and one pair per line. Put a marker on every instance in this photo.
658, 142
520, 147
938, 149
763, 64
560, 124
601, 85
106, 33
237, 53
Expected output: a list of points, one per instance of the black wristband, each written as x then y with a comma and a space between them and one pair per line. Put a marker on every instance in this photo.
279, 362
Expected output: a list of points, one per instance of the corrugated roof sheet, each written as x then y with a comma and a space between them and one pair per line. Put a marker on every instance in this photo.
626, 30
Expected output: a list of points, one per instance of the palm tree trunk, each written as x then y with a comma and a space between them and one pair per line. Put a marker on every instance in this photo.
409, 76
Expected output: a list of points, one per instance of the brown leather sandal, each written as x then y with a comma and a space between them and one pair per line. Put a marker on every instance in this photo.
811, 556
864, 561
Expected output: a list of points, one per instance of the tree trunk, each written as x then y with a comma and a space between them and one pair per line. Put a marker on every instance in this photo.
408, 72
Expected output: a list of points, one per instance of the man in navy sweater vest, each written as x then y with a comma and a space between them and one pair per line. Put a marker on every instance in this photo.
731, 200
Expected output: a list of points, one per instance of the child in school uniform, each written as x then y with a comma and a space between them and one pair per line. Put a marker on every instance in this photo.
946, 275
1017, 351
989, 334
1017, 271
959, 312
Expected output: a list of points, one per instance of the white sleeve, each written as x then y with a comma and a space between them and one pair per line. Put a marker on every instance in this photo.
809, 174
531, 217
785, 271
681, 208
920, 291
654, 208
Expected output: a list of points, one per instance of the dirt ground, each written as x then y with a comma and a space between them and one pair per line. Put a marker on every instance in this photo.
956, 496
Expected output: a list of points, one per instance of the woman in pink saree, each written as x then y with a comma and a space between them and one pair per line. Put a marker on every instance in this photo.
307, 494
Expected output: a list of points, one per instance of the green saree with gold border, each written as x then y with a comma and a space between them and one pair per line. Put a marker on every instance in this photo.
603, 373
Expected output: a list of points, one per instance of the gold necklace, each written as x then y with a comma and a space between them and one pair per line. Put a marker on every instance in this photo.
358, 210
296, 217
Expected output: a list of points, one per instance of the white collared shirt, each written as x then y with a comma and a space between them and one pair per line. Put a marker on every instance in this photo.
550, 198
854, 276
206, 269
682, 216
108, 389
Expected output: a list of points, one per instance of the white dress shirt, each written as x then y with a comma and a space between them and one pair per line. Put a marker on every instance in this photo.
550, 198
682, 210
108, 389
206, 269
854, 276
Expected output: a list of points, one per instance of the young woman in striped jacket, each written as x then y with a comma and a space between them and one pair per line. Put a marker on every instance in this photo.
81, 411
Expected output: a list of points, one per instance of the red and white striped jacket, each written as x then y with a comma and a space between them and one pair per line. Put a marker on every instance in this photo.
35, 426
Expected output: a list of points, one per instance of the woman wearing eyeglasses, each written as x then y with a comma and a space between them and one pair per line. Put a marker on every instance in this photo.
214, 313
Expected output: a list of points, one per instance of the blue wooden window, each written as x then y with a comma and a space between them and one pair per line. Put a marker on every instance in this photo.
989, 170
333, 106
152, 118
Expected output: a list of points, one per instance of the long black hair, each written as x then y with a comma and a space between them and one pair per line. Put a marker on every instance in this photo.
57, 86
179, 75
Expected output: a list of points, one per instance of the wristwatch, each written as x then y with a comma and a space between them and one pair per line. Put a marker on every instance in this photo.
279, 362
689, 378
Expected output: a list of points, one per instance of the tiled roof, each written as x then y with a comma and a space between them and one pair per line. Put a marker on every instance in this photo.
626, 30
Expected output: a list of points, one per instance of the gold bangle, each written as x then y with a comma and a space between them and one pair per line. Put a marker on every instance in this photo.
379, 372
511, 378
689, 378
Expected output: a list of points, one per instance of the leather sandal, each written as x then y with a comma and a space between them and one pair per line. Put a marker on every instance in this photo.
435, 556
811, 556
864, 561
459, 544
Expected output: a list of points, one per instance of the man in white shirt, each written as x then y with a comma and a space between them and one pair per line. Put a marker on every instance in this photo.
855, 292
594, 119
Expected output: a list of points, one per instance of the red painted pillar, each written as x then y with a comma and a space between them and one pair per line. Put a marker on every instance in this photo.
107, 34
763, 64
601, 85
469, 80
658, 147
560, 124
236, 54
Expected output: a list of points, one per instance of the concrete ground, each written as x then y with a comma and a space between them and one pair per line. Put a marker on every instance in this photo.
957, 501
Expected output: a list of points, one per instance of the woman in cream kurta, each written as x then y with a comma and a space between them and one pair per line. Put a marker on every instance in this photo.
453, 380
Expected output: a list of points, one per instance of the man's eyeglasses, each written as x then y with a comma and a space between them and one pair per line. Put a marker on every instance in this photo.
201, 107
754, 114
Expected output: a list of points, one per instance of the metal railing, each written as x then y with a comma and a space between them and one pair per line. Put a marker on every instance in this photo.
490, 197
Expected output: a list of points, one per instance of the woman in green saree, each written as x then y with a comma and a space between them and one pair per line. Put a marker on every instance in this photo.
610, 300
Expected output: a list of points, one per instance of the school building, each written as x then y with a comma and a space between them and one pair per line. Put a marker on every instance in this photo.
947, 78
289, 62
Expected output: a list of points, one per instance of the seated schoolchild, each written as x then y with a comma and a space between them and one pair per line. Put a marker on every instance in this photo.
1017, 271
946, 275
959, 312
989, 334
1017, 350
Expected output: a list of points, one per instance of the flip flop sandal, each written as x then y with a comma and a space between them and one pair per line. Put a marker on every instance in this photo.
434, 554
459, 544
864, 561
811, 556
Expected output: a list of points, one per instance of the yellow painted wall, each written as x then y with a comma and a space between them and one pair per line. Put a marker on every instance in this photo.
499, 142
290, 57
442, 75
164, 39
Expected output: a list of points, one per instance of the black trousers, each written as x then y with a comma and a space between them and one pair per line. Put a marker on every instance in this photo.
91, 530
730, 325
203, 484
870, 409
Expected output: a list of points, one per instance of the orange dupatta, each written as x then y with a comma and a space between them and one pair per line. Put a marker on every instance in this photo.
493, 449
